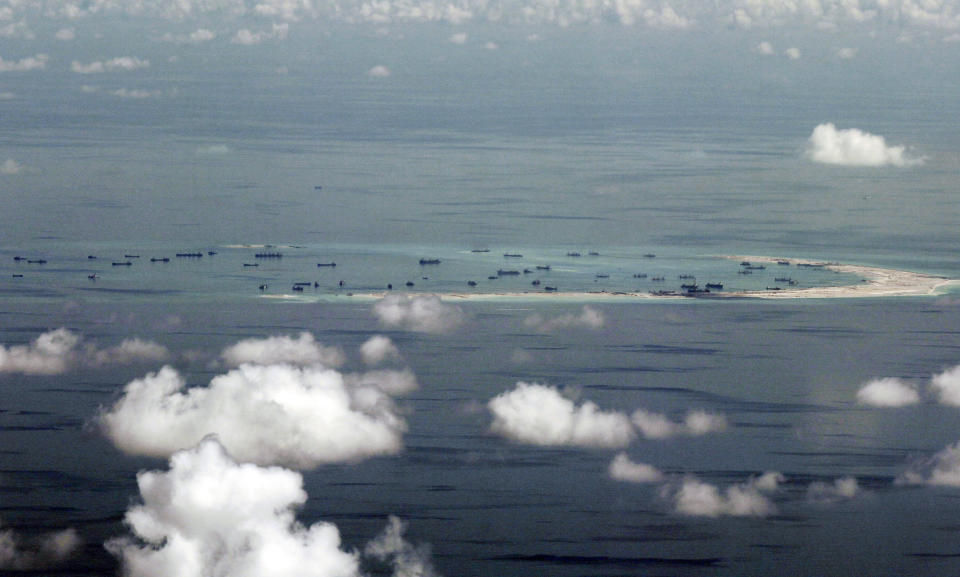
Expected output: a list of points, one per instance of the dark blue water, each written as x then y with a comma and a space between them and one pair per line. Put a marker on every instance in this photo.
692, 160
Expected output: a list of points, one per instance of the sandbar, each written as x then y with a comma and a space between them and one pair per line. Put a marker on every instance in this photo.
875, 282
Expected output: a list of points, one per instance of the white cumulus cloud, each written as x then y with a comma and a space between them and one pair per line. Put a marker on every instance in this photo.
210, 515
941, 469
52, 353
887, 392
302, 350
587, 318
840, 489
46, 551
854, 147
541, 415
378, 349
118, 64
55, 352
10, 166
947, 386
38, 62
623, 469
268, 414
695, 423
426, 313
406, 559
748, 499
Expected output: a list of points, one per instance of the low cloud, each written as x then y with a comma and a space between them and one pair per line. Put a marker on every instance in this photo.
947, 386
245, 37
854, 147
941, 469
426, 314
764, 49
695, 423
541, 415
840, 489
623, 469
588, 318
887, 392
10, 166
38, 62
302, 350
213, 150
749, 499
119, 64
378, 349
46, 551
198, 36
55, 352
379, 71
210, 515
127, 352
282, 414
405, 559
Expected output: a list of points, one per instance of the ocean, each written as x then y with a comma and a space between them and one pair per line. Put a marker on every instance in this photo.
375, 177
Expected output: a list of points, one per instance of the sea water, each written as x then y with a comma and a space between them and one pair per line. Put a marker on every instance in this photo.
377, 183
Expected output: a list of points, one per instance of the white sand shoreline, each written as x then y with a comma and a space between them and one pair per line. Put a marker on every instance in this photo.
876, 282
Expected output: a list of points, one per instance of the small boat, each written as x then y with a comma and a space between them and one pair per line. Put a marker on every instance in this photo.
19, 258
714, 285
93, 276
782, 262
480, 250
123, 263
161, 259
91, 257
602, 275
574, 254
744, 263
131, 256
16, 275
543, 267
211, 252
263, 287
503, 272
550, 289
251, 264
189, 254
329, 264
471, 283
593, 253
649, 255
535, 283
640, 275
302, 283
298, 288
268, 255
689, 286
527, 271
409, 283
512, 255
491, 277
37, 261
682, 276
658, 279
425, 261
